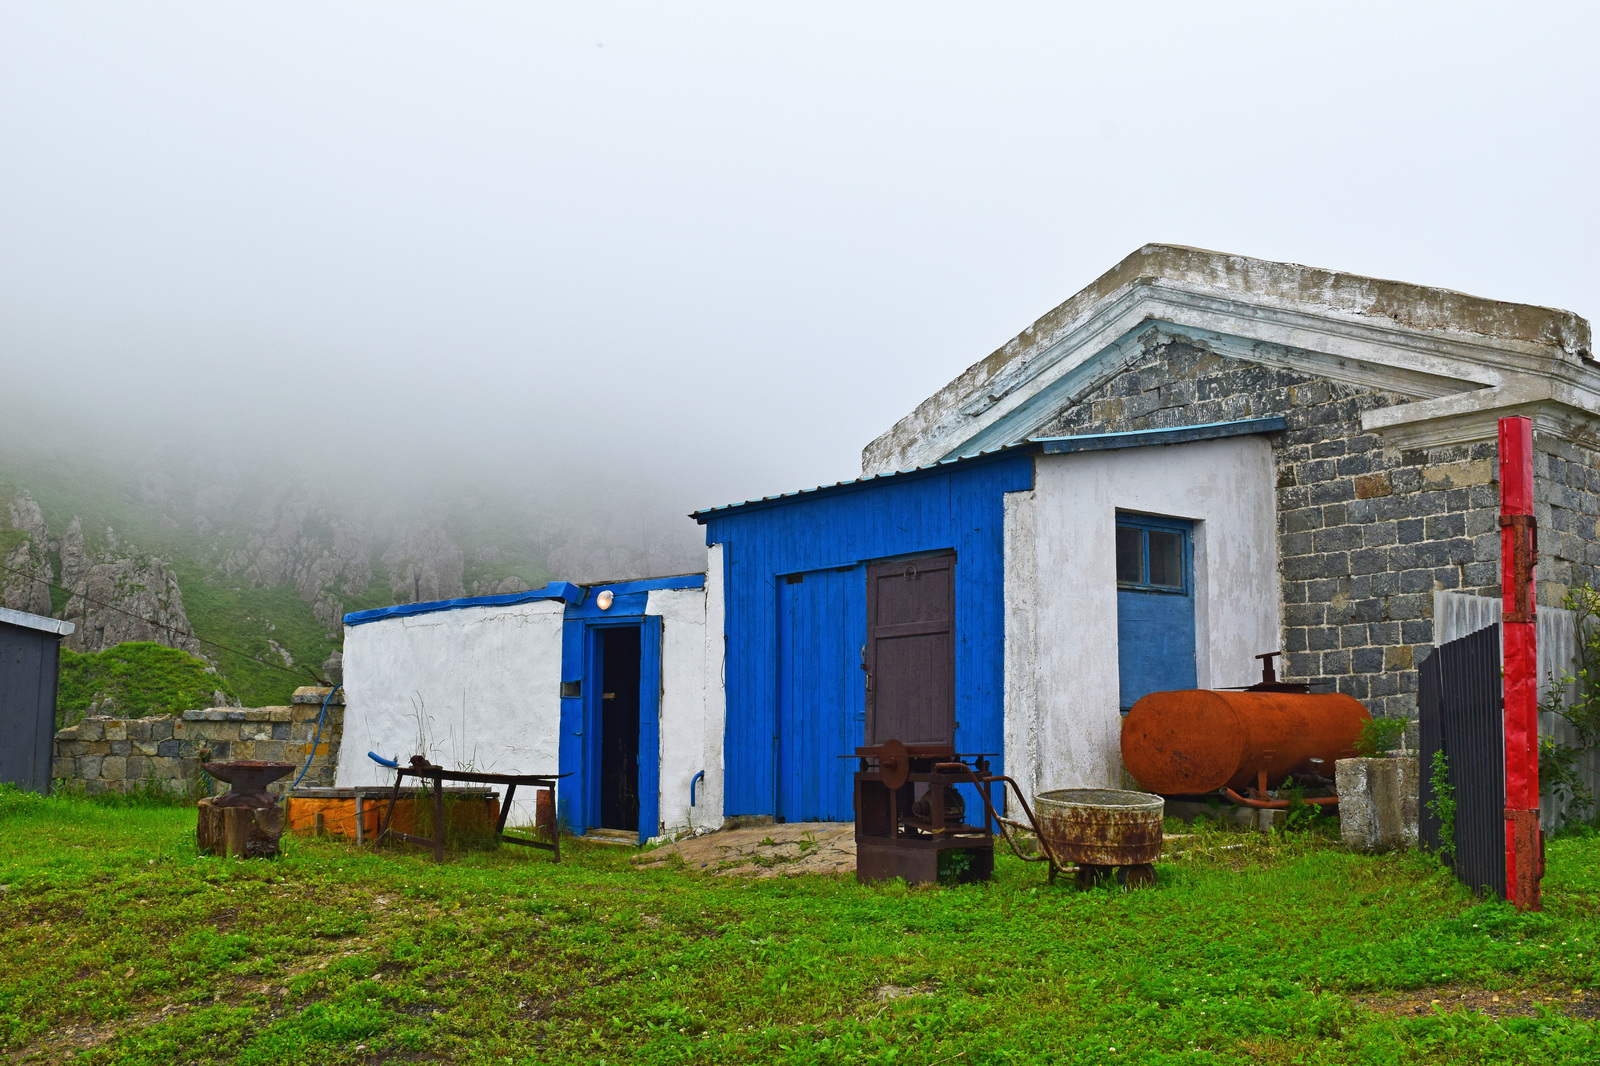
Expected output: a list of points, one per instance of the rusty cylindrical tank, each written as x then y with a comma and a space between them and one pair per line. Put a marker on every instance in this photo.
1199, 740
1100, 826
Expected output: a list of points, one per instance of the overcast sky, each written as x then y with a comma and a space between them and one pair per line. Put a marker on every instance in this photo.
717, 247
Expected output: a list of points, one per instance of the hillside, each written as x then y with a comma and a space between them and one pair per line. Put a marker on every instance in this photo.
239, 566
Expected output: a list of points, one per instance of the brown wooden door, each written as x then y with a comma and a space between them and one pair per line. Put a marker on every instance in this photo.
911, 651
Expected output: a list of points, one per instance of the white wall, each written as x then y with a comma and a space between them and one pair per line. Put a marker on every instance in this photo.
1063, 726
688, 691
476, 687
479, 687
707, 812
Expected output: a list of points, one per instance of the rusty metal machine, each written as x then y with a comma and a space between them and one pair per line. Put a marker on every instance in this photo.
901, 835
1202, 741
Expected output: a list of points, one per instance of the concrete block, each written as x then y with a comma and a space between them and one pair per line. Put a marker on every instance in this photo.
114, 768
122, 748
161, 728
170, 749
278, 714
144, 747
116, 729
87, 767
1378, 802
91, 729
138, 729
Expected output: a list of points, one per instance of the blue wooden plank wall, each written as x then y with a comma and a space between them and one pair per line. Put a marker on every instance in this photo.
822, 624
959, 507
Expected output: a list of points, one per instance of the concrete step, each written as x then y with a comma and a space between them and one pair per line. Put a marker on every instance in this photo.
628, 838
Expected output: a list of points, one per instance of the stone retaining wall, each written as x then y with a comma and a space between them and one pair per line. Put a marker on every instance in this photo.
119, 754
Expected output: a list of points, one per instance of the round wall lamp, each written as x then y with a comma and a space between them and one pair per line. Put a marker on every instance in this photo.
603, 601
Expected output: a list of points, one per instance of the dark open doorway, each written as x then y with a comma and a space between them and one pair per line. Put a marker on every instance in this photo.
620, 653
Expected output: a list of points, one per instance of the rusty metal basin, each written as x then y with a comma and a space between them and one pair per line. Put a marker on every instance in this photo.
1101, 826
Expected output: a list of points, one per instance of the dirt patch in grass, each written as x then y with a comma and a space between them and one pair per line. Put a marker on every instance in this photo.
68, 1041
763, 851
1500, 1003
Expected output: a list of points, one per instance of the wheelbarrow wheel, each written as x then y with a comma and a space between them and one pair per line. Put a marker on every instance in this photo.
1142, 875
1089, 875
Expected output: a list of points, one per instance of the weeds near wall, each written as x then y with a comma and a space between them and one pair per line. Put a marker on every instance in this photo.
1301, 816
1379, 735
150, 792
1561, 765
1443, 806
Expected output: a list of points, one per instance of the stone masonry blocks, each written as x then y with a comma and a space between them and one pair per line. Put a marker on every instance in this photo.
1366, 532
115, 754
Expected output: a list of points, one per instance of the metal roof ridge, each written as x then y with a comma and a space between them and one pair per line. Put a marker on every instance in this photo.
38, 622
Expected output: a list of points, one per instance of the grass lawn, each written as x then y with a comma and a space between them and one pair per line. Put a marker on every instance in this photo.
118, 943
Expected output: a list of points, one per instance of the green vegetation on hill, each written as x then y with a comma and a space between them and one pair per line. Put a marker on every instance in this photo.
133, 680
195, 540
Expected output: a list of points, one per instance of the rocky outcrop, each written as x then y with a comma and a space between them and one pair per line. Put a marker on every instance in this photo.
24, 546
424, 564
120, 594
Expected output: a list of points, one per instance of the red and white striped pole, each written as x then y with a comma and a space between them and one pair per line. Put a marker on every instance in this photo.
1519, 543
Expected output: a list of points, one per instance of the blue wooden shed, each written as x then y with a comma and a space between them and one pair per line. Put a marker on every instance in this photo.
802, 574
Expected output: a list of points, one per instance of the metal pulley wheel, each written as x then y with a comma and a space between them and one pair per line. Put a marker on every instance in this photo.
893, 763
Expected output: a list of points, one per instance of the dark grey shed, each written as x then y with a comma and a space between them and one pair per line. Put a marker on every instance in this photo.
30, 657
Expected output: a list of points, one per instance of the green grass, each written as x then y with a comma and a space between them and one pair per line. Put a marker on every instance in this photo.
139, 677
120, 944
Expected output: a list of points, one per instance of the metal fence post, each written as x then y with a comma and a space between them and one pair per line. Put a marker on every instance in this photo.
1519, 544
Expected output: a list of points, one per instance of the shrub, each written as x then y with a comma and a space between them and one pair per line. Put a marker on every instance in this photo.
1379, 735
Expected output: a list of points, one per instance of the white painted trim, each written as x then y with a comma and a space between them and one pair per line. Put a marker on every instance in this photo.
1021, 724
1361, 349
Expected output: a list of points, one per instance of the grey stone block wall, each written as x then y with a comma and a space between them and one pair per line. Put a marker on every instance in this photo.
1366, 532
119, 754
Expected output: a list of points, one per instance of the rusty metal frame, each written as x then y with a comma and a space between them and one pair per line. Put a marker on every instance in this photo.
1524, 557
425, 771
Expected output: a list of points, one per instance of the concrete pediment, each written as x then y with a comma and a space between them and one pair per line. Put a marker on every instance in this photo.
1459, 358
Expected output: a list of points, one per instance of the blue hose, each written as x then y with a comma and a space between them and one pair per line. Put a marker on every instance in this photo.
318, 739
692, 782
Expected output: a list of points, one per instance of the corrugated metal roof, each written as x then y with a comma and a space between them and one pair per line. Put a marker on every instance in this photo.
700, 516
1139, 438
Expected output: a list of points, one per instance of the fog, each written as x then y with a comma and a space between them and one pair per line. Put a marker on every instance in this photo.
670, 256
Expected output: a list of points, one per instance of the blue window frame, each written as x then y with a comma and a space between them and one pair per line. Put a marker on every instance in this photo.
1153, 554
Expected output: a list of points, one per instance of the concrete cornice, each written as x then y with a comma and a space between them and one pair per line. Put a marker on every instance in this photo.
1557, 409
1422, 343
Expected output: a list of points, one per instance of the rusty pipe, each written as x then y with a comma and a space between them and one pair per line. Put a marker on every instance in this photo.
1278, 805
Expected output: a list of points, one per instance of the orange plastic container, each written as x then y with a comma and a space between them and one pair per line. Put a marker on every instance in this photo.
1198, 740
473, 811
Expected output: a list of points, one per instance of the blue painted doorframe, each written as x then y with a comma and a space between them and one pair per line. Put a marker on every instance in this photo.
581, 798
578, 796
